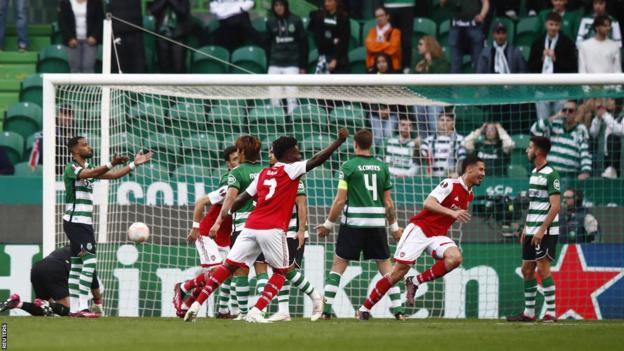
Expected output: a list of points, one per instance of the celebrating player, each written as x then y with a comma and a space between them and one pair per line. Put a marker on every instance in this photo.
248, 148
79, 180
275, 189
540, 233
211, 252
296, 236
49, 280
427, 230
365, 189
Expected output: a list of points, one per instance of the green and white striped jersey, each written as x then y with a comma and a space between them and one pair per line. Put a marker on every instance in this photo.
293, 226
543, 183
366, 179
78, 194
398, 3
240, 178
400, 157
569, 154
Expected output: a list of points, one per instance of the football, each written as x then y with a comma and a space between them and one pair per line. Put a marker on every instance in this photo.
138, 232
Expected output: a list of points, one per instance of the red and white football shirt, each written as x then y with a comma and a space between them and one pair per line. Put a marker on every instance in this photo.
275, 189
224, 234
451, 193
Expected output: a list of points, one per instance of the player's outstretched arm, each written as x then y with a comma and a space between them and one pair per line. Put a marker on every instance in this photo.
97, 172
324, 154
432, 204
139, 159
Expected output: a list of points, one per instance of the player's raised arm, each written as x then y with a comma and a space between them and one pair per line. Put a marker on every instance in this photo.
324, 154
139, 159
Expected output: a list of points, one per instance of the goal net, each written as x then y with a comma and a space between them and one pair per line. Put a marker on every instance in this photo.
422, 126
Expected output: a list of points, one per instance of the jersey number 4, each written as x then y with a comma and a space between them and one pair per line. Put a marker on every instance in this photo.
271, 183
370, 182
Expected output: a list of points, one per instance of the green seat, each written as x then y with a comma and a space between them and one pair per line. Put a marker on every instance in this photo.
314, 143
511, 29
525, 51
468, 118
146, 118
53, 59
266, 120
165, 147
227, 119
127, 144
187, 118
251, 58
88, 117
259, 24
31, 89
440, 14
309, 119
517, 171
151, 172
351, 116
202, 150
13, 143
267, 141
230, 140
192, 173
56, 38
23, 118
356, 37
28, 146
217, 62
23, 169
312, 60
423, 26
320, 173
368, 25
357, 60
525, 31
521, 141
443, 32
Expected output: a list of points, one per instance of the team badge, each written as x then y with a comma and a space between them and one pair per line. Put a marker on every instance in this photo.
556, 184
231, 179
291, 28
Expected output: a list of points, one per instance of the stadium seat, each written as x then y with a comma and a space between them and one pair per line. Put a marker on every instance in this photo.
151, 172
127, 143
56, 38
192, 173
440, 14
309, 119
357, 60
230, 140
368, 25
188, 118
23, 118
356, 35
165, 147
23, 169
443, 32
227, 119
423, 26
525, 51
267, 120
251, 58
525, 31
521, 141
511, 29
312, 60
146, 118
468, 118
31, 89
517, 171
314, 143
13, 143
205, 64
202, 150
350, 116
320, 173
259, 24
53, 59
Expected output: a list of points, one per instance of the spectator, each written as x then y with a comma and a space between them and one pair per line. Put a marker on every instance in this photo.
569, 19
174, 21
383, 39
383, 123
576, 224
234, 24
6, 167
569, 154
332, 31
402, 17
586, 27
401, 152
433, 58
129, 45
600, 54
501, 57
494, 147
552, 53
21, 22
466, 34
443, 150
288, 48
382, 64
613, 132
80, 22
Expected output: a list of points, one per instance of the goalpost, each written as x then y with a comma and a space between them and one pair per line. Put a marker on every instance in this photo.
187, 120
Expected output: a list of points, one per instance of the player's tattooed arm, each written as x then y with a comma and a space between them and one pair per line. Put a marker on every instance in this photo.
240, 201
391, 216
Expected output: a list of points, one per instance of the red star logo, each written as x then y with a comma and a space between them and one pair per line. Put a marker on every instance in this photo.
578, 286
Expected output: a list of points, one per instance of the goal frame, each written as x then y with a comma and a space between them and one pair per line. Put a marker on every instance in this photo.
51, 81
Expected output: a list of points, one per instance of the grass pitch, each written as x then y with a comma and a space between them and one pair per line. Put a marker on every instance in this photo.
137, 334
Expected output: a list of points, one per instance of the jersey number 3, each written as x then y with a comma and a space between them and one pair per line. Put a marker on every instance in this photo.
370, 182
271, 183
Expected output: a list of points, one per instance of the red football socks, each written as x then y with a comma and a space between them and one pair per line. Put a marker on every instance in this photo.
216, 278
436, 271
271, 289
382, 286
